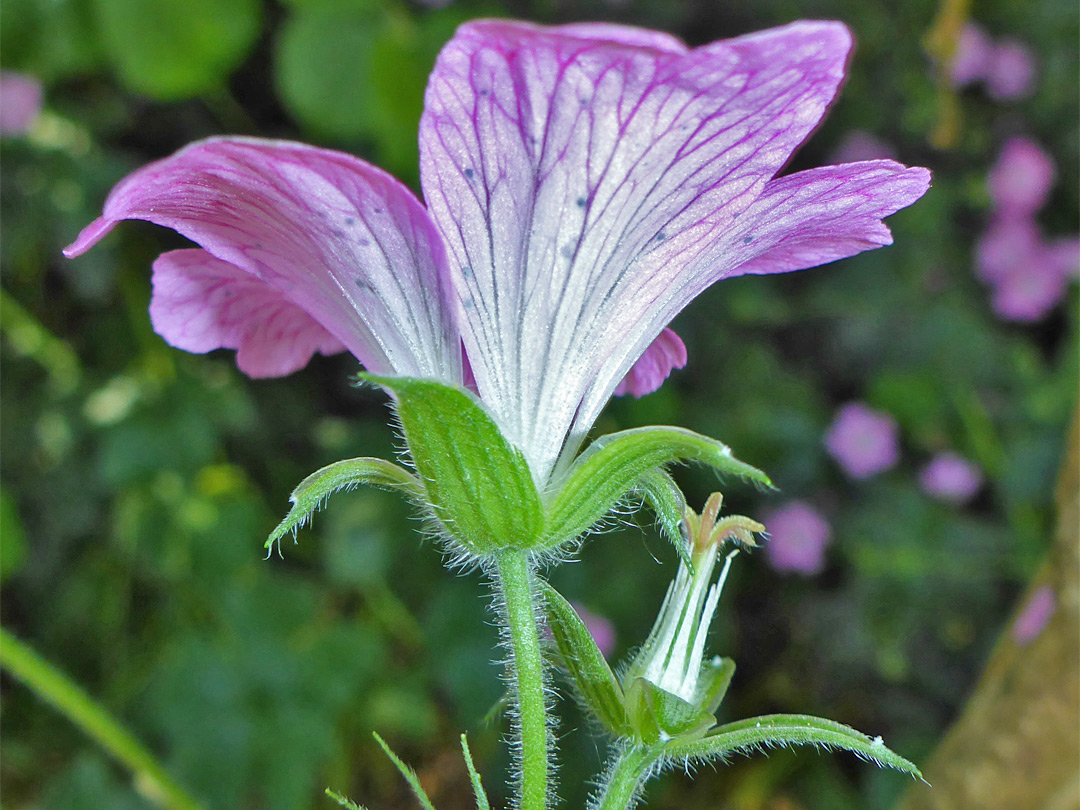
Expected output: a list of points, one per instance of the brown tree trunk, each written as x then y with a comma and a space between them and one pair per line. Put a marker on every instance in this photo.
1017, 744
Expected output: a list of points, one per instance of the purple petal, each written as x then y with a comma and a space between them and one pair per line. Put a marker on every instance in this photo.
1021, 178
664, 354
575, 172
1011, 72
343, 241
201, 303
864, 442
951, 477
797, 538
821, 215
20, 102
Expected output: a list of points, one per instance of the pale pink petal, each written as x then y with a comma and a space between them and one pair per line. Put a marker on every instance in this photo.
1007, 247
1020, 180
1011, 73
201, 303
971, 61
340, 239
664, 354
576, 173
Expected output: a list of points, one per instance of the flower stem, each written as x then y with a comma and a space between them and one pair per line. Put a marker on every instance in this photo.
622, 787
55, 688
527, 668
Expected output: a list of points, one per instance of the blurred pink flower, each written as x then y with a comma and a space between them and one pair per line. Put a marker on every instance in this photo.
1038, 284
603, 631
798, 536
861, 145
1034, 615
974, 51
864, 442
951, 477
20, 102
1020, 179
1011, 72
1007, 67
1028, 274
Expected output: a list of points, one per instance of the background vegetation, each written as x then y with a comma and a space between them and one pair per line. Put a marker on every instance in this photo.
138, 482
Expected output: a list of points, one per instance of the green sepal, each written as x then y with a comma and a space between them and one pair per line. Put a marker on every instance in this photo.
586, 666
478, 484
612, 466
313, 491
482, 802
713, 683
783, 730
656, 715
407, 773
343, 801
668, 503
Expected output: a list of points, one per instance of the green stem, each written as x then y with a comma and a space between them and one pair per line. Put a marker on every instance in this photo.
55, 688
516, 589
622, 788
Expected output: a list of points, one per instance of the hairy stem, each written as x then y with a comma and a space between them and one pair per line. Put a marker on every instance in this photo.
622, 786
527, 672
55, 688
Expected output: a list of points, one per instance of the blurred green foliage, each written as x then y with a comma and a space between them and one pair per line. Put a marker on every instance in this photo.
138, 482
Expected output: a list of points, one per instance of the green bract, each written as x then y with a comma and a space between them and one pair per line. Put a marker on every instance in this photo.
480, 488
478, 485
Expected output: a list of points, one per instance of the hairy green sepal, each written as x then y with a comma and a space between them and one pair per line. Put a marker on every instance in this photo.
615, 464
782, 730
585, 665
662, 494
657, 715
313, 491
477, 483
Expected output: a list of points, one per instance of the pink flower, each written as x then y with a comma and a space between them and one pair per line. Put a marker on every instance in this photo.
601, 628
974, 52
951, 477
859, 145
20, 102
583, 184
798, 536
1034, 615
1011, 72
864, 442
1020, 180
1007, 66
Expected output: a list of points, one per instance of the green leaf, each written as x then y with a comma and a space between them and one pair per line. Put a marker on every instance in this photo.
349, 805
407, 772
668, 503
784, 730
474, 776
12, 537
657, 715
713, 682
614, 464
585, 664
313, 491
170, 50
478, 483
